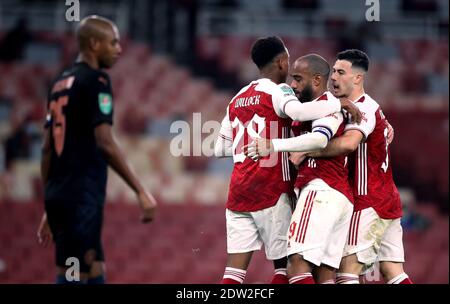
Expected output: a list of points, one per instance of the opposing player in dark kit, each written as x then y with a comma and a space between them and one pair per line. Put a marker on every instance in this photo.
78, 147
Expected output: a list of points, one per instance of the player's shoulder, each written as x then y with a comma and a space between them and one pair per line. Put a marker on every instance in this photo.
331, 118
268, 86
368, 103
88, 76
242, 91
327, 95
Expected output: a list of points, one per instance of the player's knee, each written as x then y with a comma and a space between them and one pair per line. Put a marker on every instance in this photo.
324, 273
296, 264
391, 269
239, 260
280, 263
350, 264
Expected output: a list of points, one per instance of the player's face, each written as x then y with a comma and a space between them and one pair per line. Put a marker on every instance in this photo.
110, 48
342, 79
302, 81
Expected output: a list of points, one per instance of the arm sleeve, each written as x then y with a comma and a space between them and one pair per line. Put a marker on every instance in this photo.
281, 95
367, 124
224, 142
303, 143
100, 100
328, 125
322, 131
311, 110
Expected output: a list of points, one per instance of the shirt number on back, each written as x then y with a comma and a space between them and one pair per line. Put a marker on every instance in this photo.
238, 139
59, 122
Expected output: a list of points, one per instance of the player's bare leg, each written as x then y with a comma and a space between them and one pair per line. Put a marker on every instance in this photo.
97, 273
324, 274
299, 270
393, 273
349, 270
280, 275
237, 264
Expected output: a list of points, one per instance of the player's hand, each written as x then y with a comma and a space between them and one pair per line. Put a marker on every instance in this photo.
390, 135
148, 206
353, 110
297, 157
258, 148
44, 234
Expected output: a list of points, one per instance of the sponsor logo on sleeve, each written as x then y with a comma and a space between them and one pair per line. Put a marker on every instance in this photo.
105, 103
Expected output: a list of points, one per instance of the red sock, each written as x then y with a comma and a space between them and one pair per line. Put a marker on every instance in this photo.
233, 276
304, 278
406, 281
279, 278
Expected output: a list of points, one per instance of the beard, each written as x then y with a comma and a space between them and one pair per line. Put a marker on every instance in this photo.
306, 94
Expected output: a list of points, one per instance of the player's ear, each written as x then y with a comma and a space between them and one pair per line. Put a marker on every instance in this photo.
279, 62
317, 79
94, 43
359, 78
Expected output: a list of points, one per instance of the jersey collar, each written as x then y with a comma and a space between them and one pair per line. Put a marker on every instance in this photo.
360, 98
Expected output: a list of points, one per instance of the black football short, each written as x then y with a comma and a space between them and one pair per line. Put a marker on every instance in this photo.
76, 228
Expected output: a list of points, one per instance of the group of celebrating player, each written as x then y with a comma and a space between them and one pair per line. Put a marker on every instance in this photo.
312, 177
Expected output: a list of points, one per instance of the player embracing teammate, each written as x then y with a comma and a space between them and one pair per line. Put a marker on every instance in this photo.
324, 234
258, 208
375, 231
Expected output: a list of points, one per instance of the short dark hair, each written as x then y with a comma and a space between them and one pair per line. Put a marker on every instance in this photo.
264, 50
357, 58
317, 65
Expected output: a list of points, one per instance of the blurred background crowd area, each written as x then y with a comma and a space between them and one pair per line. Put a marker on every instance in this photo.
185, 56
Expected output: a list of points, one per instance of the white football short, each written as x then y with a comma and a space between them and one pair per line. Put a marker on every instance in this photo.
319, 224
372, 237
248, 231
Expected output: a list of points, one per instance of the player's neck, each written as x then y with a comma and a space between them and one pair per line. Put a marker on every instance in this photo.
271, 75
319, 92
89, 60
356, 94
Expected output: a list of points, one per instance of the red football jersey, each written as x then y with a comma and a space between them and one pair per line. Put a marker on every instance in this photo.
370, 165
333, 170
258, 110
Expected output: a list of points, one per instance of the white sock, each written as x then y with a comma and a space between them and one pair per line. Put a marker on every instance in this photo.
347, 278
235, 274
300, 277
398, 279
281, 271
